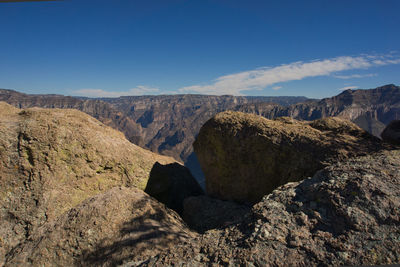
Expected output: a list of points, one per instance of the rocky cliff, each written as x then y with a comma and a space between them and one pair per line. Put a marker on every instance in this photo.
51, 160
370, 109
347, 214
245, 156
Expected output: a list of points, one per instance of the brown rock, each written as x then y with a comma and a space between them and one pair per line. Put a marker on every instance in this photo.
122, 223
245, 156
51, 160
346, 215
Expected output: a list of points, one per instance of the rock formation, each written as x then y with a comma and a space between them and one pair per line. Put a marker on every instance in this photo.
168, 124
122, 223
246, 156
171, 184
346, 214
391, 134
51, 160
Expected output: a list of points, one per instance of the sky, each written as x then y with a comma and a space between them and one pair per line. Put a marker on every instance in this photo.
109, 48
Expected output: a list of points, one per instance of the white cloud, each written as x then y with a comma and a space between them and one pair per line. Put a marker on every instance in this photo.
348, 87
259, 79
276, 87
138, 90
352, 76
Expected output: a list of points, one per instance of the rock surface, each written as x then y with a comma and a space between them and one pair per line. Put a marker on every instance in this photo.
171, 184
346, 214
51, 160
245, 156
104, 230
391, 133
203, 213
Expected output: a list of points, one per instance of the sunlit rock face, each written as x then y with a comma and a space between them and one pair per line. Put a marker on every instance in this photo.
246, 156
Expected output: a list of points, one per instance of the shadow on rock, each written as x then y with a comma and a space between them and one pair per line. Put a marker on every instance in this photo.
171, 184
139, 238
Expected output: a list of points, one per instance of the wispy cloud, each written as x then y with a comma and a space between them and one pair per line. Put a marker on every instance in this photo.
348, 87
261, 78
276, 87
138, 90
355, 76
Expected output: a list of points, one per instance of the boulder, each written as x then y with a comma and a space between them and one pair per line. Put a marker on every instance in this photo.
346, 215
391, 133
171, 184
51, 160
245, 156
104, 230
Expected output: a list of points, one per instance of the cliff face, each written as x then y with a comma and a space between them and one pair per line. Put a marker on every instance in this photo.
51, 160
370, 109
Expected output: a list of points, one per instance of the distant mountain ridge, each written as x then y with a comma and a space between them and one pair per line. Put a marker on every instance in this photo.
168, 124
371, 109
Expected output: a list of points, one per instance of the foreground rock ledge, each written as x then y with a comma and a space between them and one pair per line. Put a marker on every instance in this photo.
104, 230
51, 160
347, 214
246, 156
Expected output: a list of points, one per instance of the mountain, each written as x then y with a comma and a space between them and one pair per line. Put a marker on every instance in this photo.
370, 109
168, 124
165, 124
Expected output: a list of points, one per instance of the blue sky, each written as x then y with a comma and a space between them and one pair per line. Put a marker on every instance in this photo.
127, 47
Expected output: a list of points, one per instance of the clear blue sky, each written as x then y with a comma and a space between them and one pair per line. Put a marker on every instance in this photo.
114, 47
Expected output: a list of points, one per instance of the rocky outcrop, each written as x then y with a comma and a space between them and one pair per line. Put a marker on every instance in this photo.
346, 214
391, 134
245, 156
171, 184
51, 160
122, 223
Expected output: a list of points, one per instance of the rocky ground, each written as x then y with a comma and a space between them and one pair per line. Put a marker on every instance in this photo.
51, 160
347, 214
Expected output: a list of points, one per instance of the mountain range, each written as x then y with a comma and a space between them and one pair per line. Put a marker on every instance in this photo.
168, 124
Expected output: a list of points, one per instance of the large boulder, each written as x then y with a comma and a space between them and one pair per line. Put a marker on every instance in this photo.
391, 133
122, 223
246, 156
51, 160
346, 215
171, 184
